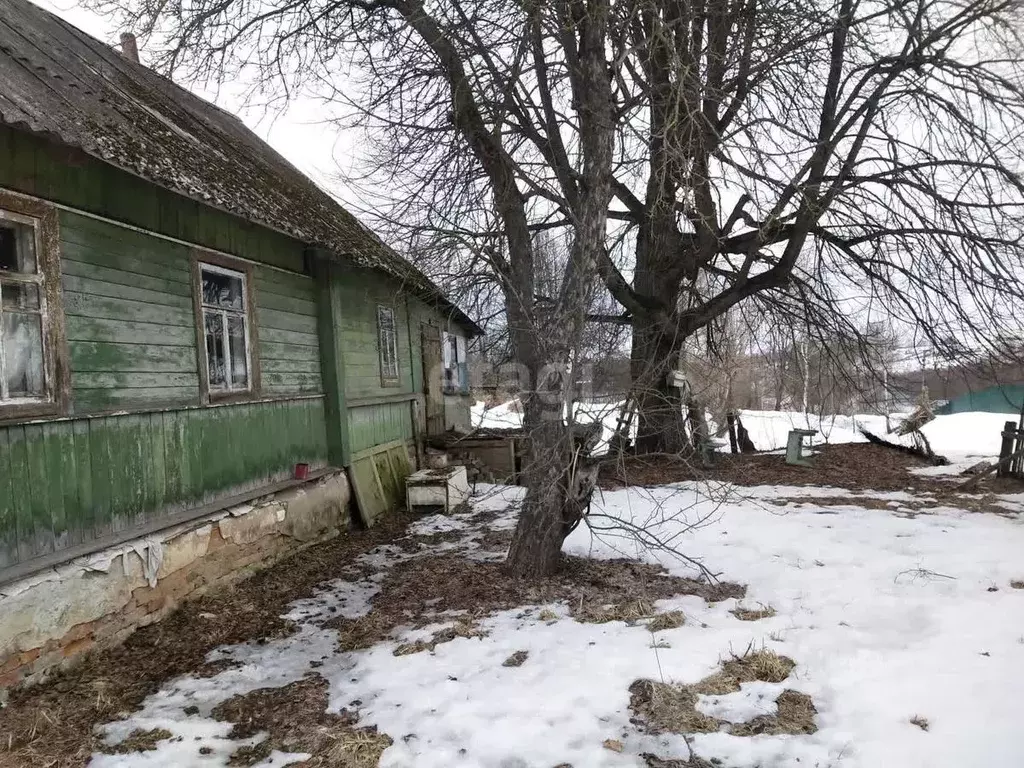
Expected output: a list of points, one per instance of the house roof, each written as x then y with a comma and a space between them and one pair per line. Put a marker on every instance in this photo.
57, 81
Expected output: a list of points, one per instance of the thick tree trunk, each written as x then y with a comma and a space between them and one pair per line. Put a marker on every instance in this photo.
661, 425
537, 542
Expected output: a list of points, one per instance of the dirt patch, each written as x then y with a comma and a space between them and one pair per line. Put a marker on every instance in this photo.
462, 628
516, 659
653, 761
795, 715
1017, 584
422, 591
659, 707
52, 724
667, 620
938, 497
295, 719
855, 466
139, 741
753, 614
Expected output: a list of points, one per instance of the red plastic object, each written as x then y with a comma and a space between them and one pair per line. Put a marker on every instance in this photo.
301, 471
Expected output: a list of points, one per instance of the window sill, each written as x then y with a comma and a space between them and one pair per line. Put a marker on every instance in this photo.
28, 410
216, 398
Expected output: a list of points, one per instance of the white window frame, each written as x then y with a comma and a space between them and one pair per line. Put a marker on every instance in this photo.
204, 308
39, 280
388, 378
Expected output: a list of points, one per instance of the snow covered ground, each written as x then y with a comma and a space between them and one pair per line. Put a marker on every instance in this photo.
963, 437
889, 617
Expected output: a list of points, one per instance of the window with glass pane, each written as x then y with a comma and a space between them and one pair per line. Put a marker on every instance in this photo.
225, 329
388, 343
22, 312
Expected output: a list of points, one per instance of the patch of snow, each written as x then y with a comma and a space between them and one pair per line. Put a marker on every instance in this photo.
750, 701
338, 598
426, 526
887, 617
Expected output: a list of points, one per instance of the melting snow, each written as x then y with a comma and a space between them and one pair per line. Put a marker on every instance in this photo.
887, 618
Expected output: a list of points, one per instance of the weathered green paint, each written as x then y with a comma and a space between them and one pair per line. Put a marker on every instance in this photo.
371, 425
131, 328
128, 306
332, 359
378, 479
64, 482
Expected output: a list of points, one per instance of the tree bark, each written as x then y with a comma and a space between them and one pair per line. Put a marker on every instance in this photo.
537, 541
661, 426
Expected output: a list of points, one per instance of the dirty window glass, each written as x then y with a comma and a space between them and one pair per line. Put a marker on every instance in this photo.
388, 344
22, 313
225, 329
17, 247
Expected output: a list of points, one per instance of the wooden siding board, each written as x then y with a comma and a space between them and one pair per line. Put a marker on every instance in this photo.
139, 398
146, 264
103, 307
286, 321
276, 336
62, 497
8, 511
102, 518
21, 490
41, 525
134, 380
95, 287
128, 332
272, 351
86, 509
106, 357
88, 270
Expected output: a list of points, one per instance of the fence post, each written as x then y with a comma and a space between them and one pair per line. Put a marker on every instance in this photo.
1006, 449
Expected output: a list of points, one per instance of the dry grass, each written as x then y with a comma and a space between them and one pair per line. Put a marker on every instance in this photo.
661, 707
628, 612
461, 628
653, 761
667, 620
139, 741
920, 722
415, 592
53, 724
672, 708
753, 614
295, 719
795, 715
761, 664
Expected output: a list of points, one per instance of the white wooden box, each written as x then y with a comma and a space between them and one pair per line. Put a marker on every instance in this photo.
437, 490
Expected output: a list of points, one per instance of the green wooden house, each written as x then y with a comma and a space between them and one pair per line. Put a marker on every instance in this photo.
185, 317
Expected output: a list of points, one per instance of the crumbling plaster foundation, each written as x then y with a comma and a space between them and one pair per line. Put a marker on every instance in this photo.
48, 620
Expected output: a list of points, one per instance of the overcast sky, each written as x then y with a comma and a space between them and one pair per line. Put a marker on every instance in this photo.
299, 134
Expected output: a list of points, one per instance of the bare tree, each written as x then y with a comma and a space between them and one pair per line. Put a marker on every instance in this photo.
809, 157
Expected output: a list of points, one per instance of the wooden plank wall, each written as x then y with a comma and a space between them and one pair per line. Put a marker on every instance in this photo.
66, 482
379, 423
132, 347
131, 331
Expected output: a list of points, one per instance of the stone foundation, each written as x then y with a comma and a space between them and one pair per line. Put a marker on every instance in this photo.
48, 620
